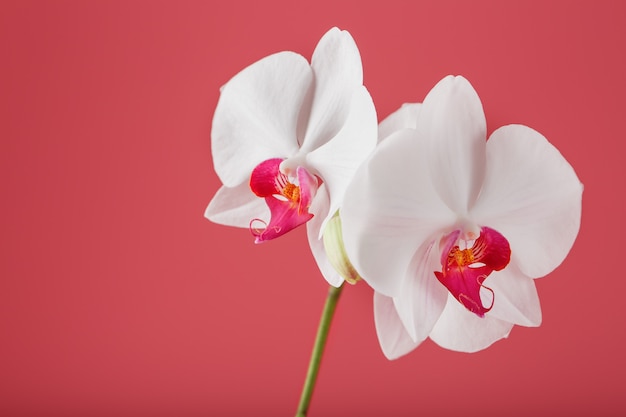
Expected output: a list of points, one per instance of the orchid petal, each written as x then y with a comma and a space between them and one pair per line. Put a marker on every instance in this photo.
459, 329
452, 123
403, 118
336, 63
422, 298
337, 161
516, 299
236, 207
532, 196
319, 209
257, 113
392, 336
391, 209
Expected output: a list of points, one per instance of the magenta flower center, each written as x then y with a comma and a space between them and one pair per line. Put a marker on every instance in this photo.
464, 270
287, 198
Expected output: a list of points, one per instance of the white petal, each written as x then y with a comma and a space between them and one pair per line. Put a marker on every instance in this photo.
463, 331
391, 209
516, 299
453, 124
236, 206
337, 161
532, 196
319, 208
336, 63
422, 298
403, 118
257, 114
393, 338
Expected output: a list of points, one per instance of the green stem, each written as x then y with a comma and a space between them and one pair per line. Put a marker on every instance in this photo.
318, 349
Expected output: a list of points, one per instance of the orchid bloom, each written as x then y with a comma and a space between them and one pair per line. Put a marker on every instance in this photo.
450, 229
287, 138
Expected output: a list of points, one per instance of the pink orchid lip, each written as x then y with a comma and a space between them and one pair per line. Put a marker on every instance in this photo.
465, 270
288, 202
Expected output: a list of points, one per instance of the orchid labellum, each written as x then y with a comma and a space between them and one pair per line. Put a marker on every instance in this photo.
450, 229
287, 137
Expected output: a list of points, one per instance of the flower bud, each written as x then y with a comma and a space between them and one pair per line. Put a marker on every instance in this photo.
337, 256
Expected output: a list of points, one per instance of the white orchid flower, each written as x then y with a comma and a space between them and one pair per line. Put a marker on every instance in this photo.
287, 138
450, 229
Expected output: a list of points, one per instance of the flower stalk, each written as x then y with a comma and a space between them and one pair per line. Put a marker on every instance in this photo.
318, 349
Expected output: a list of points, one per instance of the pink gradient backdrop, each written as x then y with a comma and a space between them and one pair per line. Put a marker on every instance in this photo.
118, 298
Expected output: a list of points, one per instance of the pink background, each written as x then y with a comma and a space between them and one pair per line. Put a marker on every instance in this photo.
118, 298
